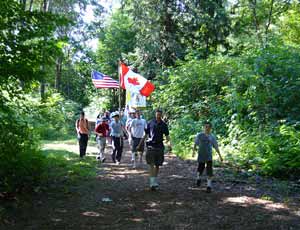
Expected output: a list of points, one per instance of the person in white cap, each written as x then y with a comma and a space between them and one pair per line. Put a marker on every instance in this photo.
116, 132
137, 132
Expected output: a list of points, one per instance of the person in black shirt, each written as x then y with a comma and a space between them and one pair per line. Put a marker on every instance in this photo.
156, 130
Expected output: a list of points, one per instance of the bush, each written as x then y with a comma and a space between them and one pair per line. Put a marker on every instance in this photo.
54, 119
21, 163
273, 152
247, 98
23, 121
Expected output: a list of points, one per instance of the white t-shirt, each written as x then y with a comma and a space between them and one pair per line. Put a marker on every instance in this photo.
138, 127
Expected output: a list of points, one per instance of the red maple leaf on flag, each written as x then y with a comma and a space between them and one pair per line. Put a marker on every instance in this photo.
133, 81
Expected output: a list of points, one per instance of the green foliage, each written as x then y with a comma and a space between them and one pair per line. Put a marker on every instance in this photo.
290, 25
64, 166
117, 39
168, 30
23, 121
23, 48
54, 119
271, 152
247, 98
20, 160
183, 132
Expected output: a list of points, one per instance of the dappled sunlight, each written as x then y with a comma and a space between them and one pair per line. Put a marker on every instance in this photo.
56, 219
176, 176
91, 214
152, 210
137, 219
152, 204
82, 163
246, 201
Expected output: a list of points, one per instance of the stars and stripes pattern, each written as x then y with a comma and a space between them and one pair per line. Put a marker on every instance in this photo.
103, 81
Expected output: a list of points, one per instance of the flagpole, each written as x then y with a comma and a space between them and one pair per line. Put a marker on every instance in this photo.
119, 86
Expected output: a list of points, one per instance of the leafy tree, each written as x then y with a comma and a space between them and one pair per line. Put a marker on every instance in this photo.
290, 25
168, 29
116, 42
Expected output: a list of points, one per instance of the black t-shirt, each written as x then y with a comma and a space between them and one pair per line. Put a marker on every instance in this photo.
156, 131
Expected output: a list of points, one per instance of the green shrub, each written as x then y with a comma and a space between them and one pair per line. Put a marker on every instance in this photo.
246, 98
271, 152
54, 119
21, 164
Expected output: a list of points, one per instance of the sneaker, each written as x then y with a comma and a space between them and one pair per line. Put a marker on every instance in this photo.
198, 182
98, 158
113, 160
153, 188
103, 160
117, 162
208, 189
133, 164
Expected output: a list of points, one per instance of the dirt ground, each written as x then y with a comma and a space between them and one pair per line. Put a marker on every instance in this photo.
119, 198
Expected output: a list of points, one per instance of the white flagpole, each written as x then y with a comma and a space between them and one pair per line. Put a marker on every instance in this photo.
119, 62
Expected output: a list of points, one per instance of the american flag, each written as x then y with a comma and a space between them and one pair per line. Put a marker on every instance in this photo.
102, 81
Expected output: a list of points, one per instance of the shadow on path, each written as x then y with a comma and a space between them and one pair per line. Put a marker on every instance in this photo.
119, 198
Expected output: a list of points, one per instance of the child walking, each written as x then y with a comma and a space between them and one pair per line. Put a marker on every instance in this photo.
101, 131
205, 141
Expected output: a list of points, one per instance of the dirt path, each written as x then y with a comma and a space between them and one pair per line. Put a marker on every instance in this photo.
119, 198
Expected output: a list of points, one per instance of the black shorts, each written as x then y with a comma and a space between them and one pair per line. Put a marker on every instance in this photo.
209, 168
154, 156
134, 144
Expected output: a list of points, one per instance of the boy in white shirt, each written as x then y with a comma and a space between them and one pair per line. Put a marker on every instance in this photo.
137, 132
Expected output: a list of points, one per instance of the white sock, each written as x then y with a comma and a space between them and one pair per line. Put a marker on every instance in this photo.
133, 156
152, 181
155, 181
198, 176
209, 182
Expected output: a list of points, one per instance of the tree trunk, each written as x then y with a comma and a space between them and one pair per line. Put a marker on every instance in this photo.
30, 5
43, 84
269, 20
58, 73
256, 22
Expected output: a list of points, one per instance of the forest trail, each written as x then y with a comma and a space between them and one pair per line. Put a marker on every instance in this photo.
119, 198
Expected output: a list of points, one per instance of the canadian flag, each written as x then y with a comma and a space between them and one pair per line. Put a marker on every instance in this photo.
134, 82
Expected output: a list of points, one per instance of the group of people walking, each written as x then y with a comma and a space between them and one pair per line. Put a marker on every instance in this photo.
140, 134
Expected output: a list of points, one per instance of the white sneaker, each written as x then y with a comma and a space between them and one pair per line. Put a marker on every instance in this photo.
133, 164
155, 183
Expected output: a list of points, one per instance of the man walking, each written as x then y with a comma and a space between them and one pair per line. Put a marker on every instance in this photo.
116, 132
137, 132
156, 130
82, 128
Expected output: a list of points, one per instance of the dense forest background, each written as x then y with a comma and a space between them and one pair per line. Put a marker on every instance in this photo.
235, 63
